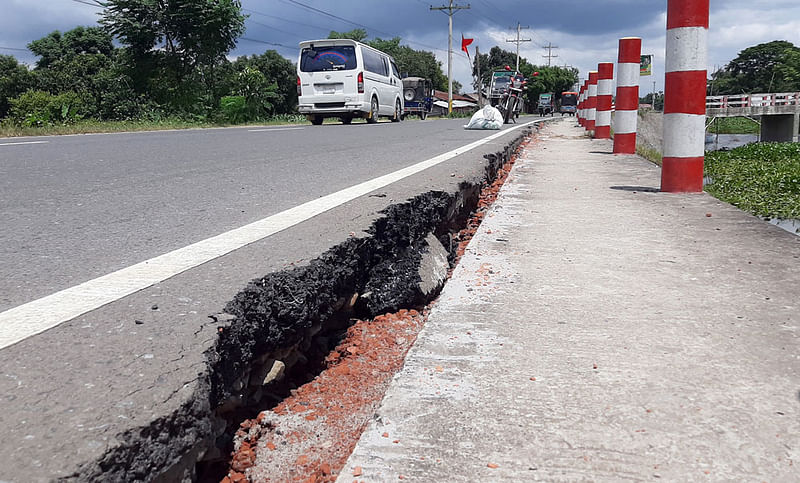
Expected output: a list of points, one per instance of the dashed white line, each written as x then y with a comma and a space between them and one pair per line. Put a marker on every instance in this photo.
26, 142
34, 317
276, 129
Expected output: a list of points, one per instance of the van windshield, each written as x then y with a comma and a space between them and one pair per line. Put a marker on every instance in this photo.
340, 57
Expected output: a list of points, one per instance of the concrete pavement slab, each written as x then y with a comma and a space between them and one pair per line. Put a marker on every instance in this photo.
598, 330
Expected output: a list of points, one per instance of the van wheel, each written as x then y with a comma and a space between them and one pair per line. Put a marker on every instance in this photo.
397, 112
372, 117
317, 120
347, 120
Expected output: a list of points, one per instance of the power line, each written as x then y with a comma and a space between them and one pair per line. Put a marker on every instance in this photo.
91, 3
14, 48
286, 20
328, 14
270, 43
270, 27
342, 19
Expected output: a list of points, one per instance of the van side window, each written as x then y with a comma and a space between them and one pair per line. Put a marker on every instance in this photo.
395, 70
373, 62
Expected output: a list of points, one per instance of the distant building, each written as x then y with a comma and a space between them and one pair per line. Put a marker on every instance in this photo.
461, 103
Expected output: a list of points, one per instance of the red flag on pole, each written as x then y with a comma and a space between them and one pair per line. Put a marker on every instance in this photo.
465, 43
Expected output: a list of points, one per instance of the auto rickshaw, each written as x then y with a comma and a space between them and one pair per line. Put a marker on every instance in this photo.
418, 96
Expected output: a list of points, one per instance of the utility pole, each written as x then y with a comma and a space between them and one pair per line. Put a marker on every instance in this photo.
518, 41
653, 97
550, 54
480, 80
450, 10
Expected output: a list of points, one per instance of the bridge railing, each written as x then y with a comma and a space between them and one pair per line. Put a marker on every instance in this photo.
753, 100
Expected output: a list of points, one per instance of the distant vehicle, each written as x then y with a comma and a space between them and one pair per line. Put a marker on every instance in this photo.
347, 79
569, 103
546, 104
417, 96
511, 103
498, 86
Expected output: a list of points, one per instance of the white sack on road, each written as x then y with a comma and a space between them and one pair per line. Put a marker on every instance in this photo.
486, 118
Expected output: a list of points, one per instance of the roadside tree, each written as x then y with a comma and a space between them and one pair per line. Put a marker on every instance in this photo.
15, 79
176, 46
761, 68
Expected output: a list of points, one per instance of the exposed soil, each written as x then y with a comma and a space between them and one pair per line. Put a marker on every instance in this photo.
309, 435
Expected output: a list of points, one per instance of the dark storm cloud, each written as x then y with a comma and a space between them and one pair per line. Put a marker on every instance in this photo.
414, 19
22, 21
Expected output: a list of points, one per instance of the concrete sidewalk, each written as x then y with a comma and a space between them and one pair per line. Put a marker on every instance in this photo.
597, 330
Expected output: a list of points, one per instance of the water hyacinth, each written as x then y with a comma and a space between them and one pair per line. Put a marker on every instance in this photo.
761, 178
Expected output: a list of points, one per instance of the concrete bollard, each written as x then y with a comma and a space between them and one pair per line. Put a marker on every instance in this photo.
626, 112
591, 101
605, 86
685, 96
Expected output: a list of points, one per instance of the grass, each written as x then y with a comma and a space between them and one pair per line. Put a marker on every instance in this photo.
734, 125
761, 178
649, 154
88, 126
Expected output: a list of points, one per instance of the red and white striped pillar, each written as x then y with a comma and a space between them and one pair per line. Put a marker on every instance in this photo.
591, 101
626, 112
581, 93
685, 96
605, 86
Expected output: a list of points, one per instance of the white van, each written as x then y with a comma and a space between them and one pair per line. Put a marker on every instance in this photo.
347, 79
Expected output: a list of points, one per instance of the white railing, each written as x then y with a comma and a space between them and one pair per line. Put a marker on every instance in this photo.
753, 100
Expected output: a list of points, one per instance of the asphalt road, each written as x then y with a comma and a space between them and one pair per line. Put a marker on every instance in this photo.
73, 208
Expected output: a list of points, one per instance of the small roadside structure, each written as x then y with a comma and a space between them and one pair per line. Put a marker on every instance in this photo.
461, 103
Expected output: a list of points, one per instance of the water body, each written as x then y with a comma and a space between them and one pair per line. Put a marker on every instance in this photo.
715, 142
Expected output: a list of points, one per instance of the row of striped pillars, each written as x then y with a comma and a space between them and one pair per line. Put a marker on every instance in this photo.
684, 96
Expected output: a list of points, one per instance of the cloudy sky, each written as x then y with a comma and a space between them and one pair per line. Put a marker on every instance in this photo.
585, 31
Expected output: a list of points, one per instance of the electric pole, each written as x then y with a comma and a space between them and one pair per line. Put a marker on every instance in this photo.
480, 79
450, 10
518, 41
550, 55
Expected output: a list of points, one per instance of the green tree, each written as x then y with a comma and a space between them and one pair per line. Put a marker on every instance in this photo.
77, 42
415, 63
15, 79
496, 59
789, 70
550, 79
756, 69
72, 62
355, 34
278, 71
176, 46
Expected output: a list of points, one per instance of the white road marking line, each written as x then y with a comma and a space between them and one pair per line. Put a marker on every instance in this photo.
26, 142
276, 129
34, 317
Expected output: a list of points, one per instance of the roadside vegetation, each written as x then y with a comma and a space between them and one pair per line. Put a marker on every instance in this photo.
761, 178
734, 125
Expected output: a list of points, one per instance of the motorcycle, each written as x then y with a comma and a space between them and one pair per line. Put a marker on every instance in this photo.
512, 98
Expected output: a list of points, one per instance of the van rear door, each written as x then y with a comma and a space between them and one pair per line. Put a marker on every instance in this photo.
328, 73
